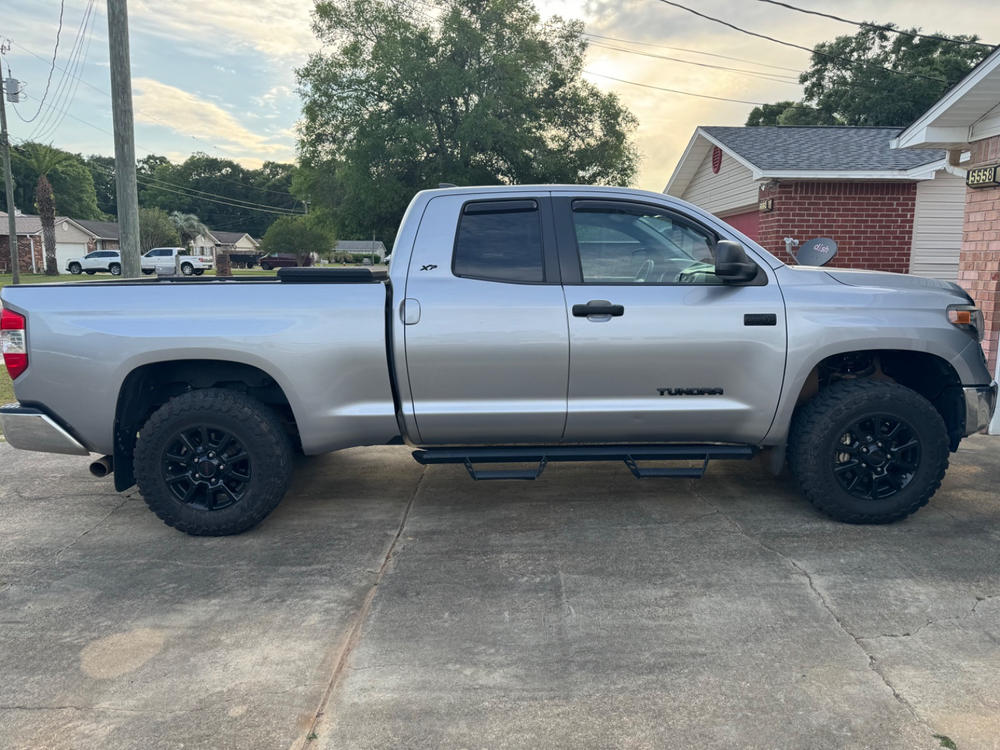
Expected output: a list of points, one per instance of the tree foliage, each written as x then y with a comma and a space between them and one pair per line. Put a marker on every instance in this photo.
70, 180
217, 190
42, 160
156, 230
874, 78
188, 226
302, 236
489, 94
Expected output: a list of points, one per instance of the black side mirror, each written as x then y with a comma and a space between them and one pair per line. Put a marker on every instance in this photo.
732, 263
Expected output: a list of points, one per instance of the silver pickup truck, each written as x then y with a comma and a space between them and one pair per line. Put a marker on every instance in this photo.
518, 325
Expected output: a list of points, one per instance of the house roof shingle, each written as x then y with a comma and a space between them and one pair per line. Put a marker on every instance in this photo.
105, 230
828, 148
227, 238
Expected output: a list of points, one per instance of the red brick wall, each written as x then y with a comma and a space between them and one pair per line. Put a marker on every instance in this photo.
979, 262
23, 254
871, 222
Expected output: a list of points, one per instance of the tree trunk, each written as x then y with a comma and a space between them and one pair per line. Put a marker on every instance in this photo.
46, 204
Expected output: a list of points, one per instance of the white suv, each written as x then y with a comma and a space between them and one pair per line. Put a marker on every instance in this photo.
164, 258
108, 261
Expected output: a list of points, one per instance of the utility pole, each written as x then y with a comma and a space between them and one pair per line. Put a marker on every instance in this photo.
8, 181
121, 110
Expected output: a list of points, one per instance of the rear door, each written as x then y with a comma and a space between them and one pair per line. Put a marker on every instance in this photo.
661, 349
487, 347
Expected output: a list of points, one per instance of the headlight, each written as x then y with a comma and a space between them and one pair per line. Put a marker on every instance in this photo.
968, 317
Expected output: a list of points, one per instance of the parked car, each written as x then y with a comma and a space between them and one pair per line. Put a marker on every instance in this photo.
280, 260
244, 260
165, 258
104, 261
519, 324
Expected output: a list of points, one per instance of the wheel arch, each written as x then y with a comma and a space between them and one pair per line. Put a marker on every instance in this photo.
927, 373
150, 385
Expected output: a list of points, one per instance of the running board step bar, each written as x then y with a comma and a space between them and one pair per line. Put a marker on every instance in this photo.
544, 455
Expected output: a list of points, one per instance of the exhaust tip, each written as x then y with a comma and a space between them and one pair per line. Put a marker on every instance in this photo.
102, 467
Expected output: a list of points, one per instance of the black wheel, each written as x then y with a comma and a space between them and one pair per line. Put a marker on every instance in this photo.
199, 271
116, 269
91, 273
149, 271
75, 268
865, 451
265, 267
213, 462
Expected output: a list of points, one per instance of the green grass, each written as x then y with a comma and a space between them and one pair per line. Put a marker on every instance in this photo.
40, 278
6, 387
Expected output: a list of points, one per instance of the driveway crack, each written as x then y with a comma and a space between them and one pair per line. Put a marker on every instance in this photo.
873, 664
350, 642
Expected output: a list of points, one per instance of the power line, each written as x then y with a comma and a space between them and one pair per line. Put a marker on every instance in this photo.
880, 27
55, 52
692, 51
792, 44
743, 71
673, 91
164, 122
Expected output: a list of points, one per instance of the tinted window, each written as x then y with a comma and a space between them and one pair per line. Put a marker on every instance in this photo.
637, 244
500, 241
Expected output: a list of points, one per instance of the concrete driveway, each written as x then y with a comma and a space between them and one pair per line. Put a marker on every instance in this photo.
385, 605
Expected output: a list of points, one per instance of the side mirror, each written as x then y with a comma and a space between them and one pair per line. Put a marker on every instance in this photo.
732, 263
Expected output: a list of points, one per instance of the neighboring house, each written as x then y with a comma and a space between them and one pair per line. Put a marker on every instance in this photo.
72, 241
225, 242
888, 210
967, 120
371, 247
105, 234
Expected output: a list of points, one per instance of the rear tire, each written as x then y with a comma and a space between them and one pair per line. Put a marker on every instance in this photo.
115, 269
213, 462
199, 271
75, 268
865, 451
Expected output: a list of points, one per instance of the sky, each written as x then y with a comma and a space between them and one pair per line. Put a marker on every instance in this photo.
218, 76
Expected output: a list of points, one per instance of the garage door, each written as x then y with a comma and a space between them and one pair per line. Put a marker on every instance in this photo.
67, 250
748, 223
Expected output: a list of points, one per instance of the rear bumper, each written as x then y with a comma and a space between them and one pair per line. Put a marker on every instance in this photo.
980, 402
33, 430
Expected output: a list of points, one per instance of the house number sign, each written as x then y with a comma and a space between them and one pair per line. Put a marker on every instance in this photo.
982, 177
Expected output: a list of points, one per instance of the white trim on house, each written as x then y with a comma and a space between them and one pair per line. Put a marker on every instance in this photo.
969, 112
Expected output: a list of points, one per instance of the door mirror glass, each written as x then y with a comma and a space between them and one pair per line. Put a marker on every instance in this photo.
732, 263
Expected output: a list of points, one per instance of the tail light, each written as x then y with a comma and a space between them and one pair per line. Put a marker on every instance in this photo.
15, 348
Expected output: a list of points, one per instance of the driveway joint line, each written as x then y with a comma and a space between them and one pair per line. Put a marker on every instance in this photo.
353, 638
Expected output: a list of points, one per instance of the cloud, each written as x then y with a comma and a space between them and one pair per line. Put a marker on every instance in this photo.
278, 28
187, 114
270, 98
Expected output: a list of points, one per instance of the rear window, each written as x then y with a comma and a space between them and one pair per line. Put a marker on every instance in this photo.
500, 241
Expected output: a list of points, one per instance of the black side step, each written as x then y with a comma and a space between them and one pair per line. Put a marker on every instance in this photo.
545, 454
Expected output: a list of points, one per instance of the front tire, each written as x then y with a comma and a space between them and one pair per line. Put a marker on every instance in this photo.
213, 462
75, 268
865, 451
115, 269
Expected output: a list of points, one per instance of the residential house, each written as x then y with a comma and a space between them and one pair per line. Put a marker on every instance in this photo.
886, 209
72, 241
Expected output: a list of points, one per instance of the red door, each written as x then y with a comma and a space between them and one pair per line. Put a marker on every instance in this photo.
748, 223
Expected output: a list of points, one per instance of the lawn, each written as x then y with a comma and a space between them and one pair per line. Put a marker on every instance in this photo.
6, 387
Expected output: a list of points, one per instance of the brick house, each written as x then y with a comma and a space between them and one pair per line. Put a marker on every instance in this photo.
72, 241
887, 210
966, 120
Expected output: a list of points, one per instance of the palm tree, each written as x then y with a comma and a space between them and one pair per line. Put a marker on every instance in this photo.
43, 160
188, 225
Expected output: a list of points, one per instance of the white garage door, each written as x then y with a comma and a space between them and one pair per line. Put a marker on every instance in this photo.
67, 250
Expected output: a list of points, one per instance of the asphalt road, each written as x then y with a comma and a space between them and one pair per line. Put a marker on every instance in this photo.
385, 605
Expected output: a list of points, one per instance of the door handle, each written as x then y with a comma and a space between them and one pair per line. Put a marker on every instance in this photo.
598, 307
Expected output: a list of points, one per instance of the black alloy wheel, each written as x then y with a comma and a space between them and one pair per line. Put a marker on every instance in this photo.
876, 457
206, 467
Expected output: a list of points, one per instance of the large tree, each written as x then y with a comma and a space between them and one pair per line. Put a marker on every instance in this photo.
156, 230
875, 77
489, 94
68, 175
188, 226
301, 236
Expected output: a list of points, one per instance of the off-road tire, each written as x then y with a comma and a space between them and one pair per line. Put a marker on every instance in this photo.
75, 268
253, 424
820, 424
115, 269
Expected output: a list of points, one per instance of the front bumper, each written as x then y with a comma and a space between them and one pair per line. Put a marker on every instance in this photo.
33, 430
980, 401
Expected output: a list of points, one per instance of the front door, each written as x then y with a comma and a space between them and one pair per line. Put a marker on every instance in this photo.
487, 348
662, 349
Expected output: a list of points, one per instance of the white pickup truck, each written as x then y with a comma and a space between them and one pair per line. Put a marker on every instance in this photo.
516, 324
170, 259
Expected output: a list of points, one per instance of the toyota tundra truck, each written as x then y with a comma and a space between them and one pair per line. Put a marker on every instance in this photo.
517, 327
